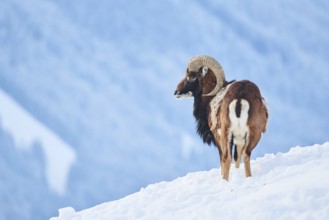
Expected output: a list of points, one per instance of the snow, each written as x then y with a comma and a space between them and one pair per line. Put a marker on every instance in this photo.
26, 130
290, 185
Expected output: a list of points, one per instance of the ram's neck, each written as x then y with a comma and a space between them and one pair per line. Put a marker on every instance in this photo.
200, 112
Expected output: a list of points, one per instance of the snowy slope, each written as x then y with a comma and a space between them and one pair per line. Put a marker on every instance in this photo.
289, 185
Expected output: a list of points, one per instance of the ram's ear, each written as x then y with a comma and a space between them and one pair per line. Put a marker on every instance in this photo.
204, 71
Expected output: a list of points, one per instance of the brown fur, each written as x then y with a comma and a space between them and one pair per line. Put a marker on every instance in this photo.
257, 120
208, 82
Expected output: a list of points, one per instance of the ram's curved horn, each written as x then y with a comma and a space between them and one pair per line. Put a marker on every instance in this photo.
196, 62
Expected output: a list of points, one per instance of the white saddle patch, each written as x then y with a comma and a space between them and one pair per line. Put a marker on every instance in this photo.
215, 104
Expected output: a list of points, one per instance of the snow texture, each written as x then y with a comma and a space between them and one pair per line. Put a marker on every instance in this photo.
289, 185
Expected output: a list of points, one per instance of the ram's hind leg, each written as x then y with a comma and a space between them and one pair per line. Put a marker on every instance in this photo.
253, 141
246, 158
237, 154
246, 161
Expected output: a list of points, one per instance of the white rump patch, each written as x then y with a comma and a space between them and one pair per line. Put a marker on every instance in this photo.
239, 127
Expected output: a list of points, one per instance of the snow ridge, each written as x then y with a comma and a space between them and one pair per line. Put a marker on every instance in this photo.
284, 186
26, 130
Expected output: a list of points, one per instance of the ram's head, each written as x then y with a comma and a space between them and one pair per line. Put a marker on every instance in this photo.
204, 75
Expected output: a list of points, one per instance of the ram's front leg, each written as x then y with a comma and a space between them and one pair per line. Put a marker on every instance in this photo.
226, 163
221, 165
221, 161
226, 155
217, 141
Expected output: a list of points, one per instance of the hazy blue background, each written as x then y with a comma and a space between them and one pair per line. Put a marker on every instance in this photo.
101, 74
